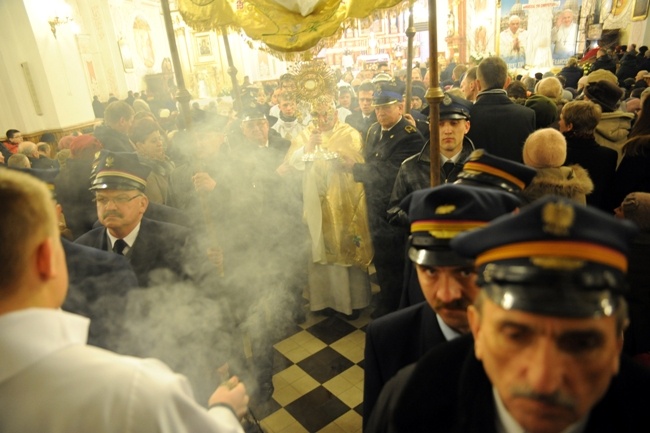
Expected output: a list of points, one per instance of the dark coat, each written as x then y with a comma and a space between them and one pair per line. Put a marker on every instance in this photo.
71, 185
393, 342
448, 391
158, 246
362, 125
571, 74
383, 157
600, 163
113, 140
605, 62
628, 67
44, 163
499, 125
637, 335
632, 175
98, 284
415, 174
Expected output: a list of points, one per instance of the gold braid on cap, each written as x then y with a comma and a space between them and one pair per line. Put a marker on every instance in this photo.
314, 79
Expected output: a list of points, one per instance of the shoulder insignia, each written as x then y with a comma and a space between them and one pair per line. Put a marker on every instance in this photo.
410, 129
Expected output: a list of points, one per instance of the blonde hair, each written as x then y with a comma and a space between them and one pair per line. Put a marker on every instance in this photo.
27, 218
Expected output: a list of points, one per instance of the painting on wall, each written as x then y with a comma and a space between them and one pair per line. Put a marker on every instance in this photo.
126, 54
204, 47
640, 10
143, 42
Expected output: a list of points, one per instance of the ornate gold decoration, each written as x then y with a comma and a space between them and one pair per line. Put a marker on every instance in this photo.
314, 79
109, 162
445, 209
447, 99
287, 34
557, 218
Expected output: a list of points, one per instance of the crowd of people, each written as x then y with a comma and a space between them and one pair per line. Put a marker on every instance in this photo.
503, 292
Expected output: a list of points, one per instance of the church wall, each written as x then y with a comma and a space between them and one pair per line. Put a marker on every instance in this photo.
54, 66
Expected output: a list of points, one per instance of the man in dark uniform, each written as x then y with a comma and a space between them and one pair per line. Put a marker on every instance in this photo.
390, 141
498, 125
548, 332
119, 193
447, 280
481, 170
455, 147
365, 117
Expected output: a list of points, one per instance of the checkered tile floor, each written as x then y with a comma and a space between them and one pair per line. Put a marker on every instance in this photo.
318, 378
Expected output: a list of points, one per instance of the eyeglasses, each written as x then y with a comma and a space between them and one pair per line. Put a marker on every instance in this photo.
119, 200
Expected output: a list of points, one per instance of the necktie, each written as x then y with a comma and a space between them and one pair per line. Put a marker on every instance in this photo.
447, 168
118, 246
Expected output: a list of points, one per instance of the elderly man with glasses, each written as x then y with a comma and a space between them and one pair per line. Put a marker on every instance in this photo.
149, 245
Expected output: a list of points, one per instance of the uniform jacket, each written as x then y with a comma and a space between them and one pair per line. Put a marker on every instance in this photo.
158, 246
600, 163
98, 284
393, 342
46, 364
415, 174
499, 125
383, 158
447, 391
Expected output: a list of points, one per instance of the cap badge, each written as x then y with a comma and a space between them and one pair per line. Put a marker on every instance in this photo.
445, 209
446, 100
109, 162
557, 218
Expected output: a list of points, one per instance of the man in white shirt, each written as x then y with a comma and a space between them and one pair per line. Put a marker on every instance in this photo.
50, 380
512, 43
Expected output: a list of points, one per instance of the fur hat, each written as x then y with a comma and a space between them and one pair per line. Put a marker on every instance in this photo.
545, 148
636, 208
545, 110
600, 75
605, 94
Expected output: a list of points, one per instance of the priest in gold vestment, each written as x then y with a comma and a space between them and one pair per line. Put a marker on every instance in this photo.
335, 213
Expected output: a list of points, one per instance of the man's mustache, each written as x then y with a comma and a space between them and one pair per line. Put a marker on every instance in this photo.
111, 213
457, 304
557, 398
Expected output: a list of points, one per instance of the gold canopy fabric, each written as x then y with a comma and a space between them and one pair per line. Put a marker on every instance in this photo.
275, 25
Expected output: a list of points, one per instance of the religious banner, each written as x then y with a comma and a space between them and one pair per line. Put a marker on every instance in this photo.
538, 34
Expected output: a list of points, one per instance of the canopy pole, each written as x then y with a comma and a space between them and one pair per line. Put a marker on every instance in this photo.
232, 71
410, 34
434, 95
182, 95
